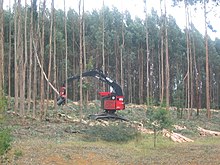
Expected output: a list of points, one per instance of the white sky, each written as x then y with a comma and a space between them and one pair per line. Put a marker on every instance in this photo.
136, 8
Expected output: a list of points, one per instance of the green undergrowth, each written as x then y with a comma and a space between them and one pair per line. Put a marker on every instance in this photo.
5, 136
142, 147
138, 147
5, 139
112, 133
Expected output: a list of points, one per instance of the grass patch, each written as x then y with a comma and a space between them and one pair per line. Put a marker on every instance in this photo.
208, 140
18, 153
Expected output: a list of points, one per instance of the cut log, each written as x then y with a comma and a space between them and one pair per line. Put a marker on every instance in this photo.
179, 127
140, 127
176, 137
205, 132
144, 130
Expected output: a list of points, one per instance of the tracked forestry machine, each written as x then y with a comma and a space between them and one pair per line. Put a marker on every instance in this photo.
111, 101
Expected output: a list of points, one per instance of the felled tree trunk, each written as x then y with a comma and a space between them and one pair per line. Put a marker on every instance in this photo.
176, 137
205, 132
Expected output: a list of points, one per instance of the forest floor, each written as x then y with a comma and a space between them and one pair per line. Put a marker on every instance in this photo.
62, 141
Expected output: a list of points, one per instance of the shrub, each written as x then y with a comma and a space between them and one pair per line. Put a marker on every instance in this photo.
158, 119
3, 104
5, 139
112, 133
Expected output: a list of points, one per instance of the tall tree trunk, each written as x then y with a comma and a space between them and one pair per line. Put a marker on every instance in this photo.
207, 65
162, 55
188, 57
84, 56
116, 56
50, 55
148, 53
20, 58
1, 50
36, 33
25, 61
141, 74
122, 50
34, 87
196, 78
16, 82
66, 53
84, 41
121, 69
42, 108
103, 40
74, 59
130, 93
54, 57
133, 82
167, 62
80, 60
30, 60
35, 84
9, 59
191, 78
200, 87
159, 72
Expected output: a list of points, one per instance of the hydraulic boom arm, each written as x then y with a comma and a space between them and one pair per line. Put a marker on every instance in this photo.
116, 89
100, 76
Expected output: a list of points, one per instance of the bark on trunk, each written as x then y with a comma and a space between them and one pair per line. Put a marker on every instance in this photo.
9, 59
42, 108
30, 60
1, 49
50, 56
15, 60
167, 63
80, 61
207, 65
54, 57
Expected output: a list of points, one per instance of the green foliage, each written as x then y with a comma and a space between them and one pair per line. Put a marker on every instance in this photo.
3, 104
85, 85
89, 65
163, 104
121, 29
18, 153
5, 139
152, 101
112, 133
158, 118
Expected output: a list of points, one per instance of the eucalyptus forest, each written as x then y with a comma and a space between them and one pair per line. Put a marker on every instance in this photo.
154, 60
158, 64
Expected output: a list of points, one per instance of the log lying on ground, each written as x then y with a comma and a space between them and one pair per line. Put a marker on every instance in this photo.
178, 127
205, 132
144, 130
176, 137
140, 127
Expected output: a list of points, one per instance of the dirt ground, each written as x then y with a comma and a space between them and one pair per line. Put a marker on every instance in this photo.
44, 152
51, 143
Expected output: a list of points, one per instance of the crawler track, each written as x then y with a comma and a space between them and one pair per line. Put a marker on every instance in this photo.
107, 116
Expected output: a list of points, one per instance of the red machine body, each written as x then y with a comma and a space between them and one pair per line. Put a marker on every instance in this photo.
112, 102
